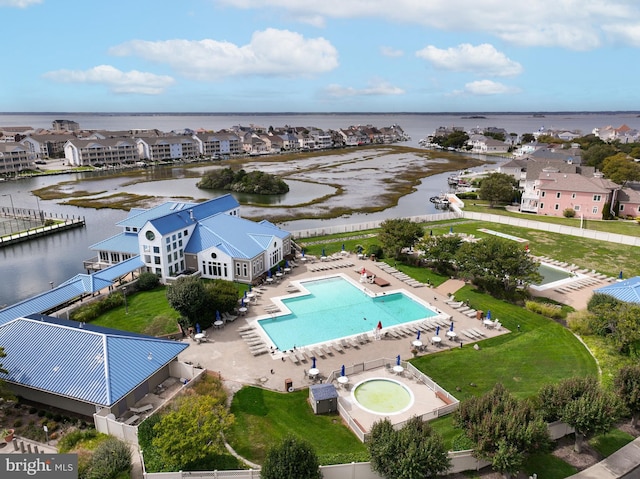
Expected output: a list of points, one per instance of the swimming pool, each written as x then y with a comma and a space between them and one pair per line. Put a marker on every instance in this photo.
551, 274
334, 308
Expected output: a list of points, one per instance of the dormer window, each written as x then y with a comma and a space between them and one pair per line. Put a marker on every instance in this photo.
150, 235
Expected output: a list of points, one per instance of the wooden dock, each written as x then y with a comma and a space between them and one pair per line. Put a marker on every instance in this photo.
40, 231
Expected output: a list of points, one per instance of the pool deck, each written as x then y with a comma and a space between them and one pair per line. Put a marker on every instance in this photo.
228, 353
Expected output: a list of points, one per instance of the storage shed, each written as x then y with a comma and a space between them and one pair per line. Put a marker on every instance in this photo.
323, 398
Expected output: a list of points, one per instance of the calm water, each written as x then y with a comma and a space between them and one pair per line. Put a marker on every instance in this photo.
32, 266
335, 308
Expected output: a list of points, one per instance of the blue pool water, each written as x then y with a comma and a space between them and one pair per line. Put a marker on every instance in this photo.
335, 308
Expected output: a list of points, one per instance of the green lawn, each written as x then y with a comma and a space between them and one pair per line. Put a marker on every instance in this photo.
264, 417
148, 313
607, 444
542, 352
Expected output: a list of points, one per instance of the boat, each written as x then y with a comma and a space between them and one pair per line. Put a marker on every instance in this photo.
440, 201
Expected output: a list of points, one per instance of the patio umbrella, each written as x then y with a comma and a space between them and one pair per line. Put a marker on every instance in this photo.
302, 253
245, 293
620, 275
279, 268
218, 315
242, 303
286, 263
418, 338
398, 360
342, 371
430, 232
359, 249
250, 288
451, 327
379, 325
489, 314
323, 252
342, 246
437, 330
198, 329
269, 273
451, 229
313, 362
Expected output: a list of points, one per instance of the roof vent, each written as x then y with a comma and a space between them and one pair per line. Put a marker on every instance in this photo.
191, 215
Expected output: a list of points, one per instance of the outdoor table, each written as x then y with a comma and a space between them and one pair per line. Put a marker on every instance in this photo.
286, 270
451, 335
250, 295
269, 280
323, 258
218, 324
360, 255
417, 343
436, 339
198, 336
242, 310
343, 380
313, 372
488, 323
278, 275
303, 258
398, 369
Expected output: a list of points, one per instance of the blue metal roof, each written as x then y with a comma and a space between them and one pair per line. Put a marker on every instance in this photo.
138, 218
70, 289
120, 243
179, 219
235, 236
627, 290
94, 365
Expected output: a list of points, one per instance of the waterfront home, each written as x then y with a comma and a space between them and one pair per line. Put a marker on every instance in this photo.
168, 148
15, 157
104, 152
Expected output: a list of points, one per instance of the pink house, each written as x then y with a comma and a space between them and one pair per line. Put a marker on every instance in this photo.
587, 196
629, 203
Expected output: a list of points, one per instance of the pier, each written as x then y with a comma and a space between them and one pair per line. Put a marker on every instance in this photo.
20, 224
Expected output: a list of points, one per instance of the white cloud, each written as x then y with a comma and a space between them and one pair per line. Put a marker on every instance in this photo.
377, 88
270, 53
571, 24
19, 3
624, 33
482, 59
117, 81
391, 52
487, 87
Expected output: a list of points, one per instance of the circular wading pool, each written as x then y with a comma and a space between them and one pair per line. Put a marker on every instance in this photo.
382, 396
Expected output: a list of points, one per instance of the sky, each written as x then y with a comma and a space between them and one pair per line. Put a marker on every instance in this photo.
324, 56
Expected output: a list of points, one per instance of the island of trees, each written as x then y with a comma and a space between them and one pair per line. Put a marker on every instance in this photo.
240, 181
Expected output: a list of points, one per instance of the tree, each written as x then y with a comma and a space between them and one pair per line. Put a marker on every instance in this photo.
398, 233
440, 251
527, 138
192, 430
187, 297
498, 187
621, 168
497, 265
293, 458
416, 450
627, 386
616, 320
503, 428
597, 152
581, 403
221, 296
4, 391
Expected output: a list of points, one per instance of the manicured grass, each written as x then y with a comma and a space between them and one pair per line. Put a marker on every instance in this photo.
548, 466
542, 352
149, 313
264, 417
607, 444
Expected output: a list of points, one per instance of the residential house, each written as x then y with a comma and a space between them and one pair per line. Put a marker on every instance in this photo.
106, 152
65, 125
587, 196
321, 139
487, 145
629, 201
47, 146
623, 134
218, 145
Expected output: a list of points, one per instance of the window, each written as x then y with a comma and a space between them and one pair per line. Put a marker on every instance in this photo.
150, 235
146, 248
621, 207
594, 210
156, 259
542, 194
541, 206
104, 256
573, 196
556, 207
558, 194
186, 232
147, 258
156, 249
576, 207
597, 197
214, 256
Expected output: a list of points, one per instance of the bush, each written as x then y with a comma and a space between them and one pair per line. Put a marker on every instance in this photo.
147, 281
72, 438
569, 213
375, 250
109, 459
548, 310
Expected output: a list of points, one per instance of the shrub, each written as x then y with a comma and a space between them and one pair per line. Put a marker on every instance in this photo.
110, 458
375, 250
569, 213
147, 281
33, 410
17, 423
548, 310
72, 438
41, 413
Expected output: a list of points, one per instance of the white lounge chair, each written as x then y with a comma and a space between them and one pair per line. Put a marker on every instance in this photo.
142, 409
